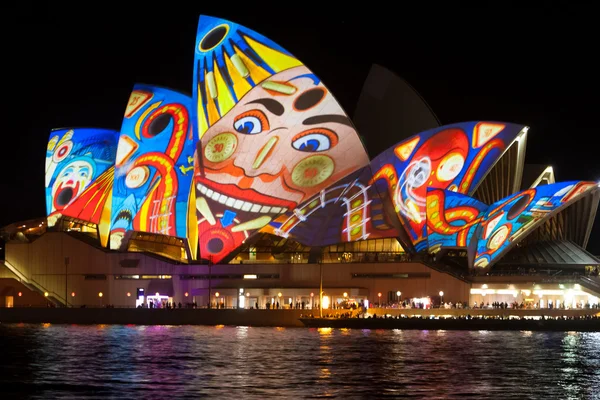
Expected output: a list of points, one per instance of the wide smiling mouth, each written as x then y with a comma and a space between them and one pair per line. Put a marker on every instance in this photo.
273, 206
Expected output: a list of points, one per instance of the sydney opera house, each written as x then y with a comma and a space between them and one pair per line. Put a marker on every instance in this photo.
258, 189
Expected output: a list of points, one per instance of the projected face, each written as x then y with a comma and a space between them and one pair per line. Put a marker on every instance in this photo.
286, 140
70, 182
283, 142
435, 165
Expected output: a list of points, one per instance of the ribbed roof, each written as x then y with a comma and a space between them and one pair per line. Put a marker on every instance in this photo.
556, 252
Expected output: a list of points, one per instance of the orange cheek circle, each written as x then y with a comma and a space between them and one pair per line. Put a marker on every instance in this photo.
312, 171
221, 147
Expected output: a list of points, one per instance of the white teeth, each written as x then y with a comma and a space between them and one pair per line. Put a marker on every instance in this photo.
239, 204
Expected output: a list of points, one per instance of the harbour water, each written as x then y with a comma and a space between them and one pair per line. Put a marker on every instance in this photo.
127, 361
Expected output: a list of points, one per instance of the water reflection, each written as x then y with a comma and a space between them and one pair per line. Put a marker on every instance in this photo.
66, 361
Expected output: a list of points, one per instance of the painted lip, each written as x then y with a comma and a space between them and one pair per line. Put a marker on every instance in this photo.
70, 184
242, 199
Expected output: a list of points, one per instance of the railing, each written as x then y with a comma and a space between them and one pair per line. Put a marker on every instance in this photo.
32, 283
15, 271
43, 291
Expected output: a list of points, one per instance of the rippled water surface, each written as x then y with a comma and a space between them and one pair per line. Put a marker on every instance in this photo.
112, 361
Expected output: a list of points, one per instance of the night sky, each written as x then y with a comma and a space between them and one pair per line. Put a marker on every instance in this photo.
67, 67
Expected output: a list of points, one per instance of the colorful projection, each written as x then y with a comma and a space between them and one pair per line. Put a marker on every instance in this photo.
154, 166
511, 219
453, 157
267, 148
452, 219
79, 171
229, 61
350, 210
393, 190
274, 135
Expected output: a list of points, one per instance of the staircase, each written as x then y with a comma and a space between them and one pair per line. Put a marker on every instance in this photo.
35, 286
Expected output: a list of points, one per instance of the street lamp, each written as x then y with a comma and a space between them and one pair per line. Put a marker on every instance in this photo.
398, 294
441, 298
379, 295
345, 294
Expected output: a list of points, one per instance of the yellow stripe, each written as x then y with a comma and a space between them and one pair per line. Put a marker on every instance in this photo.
104, 224
225, 100
202, 125
192, 223
273, 58
213, 114
258, 74
240, 85
138, 124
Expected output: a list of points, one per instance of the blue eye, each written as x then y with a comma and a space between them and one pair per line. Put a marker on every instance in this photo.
313, 142
248, 125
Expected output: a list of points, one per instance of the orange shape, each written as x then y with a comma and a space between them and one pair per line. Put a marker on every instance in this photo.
404, 150
484, 131
136, 101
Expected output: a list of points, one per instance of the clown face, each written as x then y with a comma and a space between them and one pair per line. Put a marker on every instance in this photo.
282, 143
435, 164
71, 182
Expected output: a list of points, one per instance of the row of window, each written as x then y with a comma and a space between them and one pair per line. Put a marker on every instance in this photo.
405, 275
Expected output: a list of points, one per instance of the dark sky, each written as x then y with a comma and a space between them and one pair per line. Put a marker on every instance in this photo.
536, 66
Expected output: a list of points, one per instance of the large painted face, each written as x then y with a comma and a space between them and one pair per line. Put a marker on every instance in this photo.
70, 182
283, 142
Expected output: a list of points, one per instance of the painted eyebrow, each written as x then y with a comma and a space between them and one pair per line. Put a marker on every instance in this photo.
320, 119
273, 106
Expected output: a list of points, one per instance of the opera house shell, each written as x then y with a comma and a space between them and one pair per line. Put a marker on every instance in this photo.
261, 177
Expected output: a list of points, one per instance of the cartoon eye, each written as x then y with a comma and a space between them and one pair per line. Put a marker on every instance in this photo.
68, 171
251, 122
83, 173
315, 140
